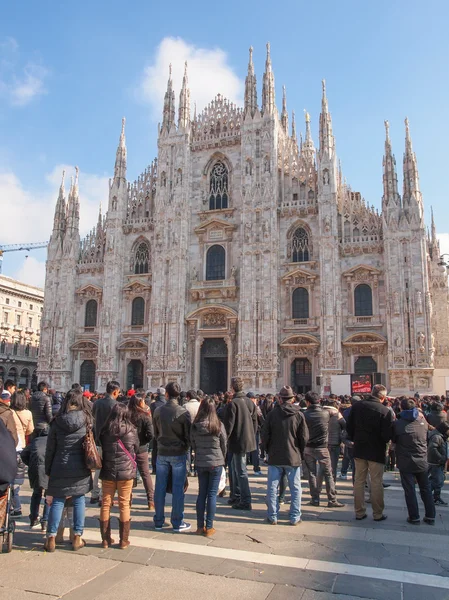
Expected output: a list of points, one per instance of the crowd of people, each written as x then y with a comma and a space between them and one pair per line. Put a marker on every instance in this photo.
217, 438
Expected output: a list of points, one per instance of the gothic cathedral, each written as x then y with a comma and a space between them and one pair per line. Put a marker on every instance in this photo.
242, 250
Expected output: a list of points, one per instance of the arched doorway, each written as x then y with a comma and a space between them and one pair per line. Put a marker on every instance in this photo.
301, 375
214, 366
134, 375
24, 380
365, 365
87, 375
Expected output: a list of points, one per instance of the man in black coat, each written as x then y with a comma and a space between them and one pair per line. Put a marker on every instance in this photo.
160, 401
101, 410
40, 407
284, 437
410, 436
370, 427
240, 421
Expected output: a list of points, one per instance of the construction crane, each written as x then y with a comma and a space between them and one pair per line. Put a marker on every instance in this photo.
18, 247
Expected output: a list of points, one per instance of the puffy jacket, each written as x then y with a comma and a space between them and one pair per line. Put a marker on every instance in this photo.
436, 448
410, 436
65, 459
144, 424
171, 424
285, 435
101, 410
8, 462
7, 416
117, 465
210, 450
34, 457
317, 419
435, 417
337, 425
56, 403
40, 407
240, 421
370, 427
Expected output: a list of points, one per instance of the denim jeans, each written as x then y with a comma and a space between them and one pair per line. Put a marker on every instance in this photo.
436, 477
208, 480
275, 475
35, 504
178, 467
56, 508
240, 478
408, 481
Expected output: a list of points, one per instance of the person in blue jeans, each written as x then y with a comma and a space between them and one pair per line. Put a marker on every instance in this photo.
208, 440
172, 433
284, 438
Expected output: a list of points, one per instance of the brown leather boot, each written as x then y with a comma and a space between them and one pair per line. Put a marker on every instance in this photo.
105, 529
50, 544
78, 543
124, 534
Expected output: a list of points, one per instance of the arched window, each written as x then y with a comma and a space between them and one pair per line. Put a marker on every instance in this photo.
138, 311
12, 374
215, 263
27, 350
142, 259
300, 246
218, 190
90, 318
364, 365
363, 300
3, 347
300, 304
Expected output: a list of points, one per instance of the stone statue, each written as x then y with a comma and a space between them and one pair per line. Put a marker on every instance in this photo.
419, 302
396, 307
247, 232
233, 271
246, 346
398, 341
194, 274
265, 228
172, 346
326, 177
421, 341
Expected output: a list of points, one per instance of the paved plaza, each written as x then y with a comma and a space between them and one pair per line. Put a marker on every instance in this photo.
329, 556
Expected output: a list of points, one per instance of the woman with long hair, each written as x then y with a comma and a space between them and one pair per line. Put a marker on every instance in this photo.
208, 440
141, 417
120, 445
24, 425
66, 467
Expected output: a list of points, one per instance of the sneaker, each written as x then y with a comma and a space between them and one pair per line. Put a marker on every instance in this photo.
35, 524
342, 476
440, 502
182, 528
413, 521
16, 513
240, 506
429, 521
43, 525
257, 473
158, 527
281, 500
234, 501
295, 523
335, 504
271, 521
382, 518
313, 503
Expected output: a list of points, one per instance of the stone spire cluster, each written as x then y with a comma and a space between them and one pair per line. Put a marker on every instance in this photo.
327, 143
168, 118
268, 93
184, 102
121, 155
250, 87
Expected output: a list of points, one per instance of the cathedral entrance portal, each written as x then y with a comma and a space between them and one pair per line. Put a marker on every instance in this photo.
134, 376
87, 375
214, 366
301, 375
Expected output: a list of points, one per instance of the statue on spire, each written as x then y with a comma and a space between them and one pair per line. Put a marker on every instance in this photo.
250, 88
184, 102
268, 93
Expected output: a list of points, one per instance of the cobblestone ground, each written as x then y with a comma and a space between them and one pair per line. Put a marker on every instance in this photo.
329, 556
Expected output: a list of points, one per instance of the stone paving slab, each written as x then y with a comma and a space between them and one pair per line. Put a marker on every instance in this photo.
374, 589
7, 594
420, 592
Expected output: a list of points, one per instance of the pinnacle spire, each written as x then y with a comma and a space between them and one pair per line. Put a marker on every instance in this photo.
250, 87
73, 204
433, 229
60, 209
326, 137
121, 154
268, 95
411, 196
284, 113
168, 119
184, 102
294, 138
391, 201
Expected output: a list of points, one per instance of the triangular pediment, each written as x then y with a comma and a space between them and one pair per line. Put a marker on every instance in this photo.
298, 272
137, 287
89, 290
214, 224
300, 340
358, 269
133, 344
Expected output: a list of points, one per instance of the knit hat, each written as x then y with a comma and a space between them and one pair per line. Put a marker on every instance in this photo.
286, 393
250, 395
161, 390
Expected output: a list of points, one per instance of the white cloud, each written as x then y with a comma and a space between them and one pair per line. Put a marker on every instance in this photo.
443, 238
20, 82
208, 71
27, 215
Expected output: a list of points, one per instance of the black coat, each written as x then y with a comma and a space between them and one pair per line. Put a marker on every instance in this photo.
117, 465
370, 427
435, 417
285, 435
410, 436
34, 456
65, 459
41, 410
101, 410
8, 462
240, 421
144, 424
171, 424
317, 420
210, 450
437, 448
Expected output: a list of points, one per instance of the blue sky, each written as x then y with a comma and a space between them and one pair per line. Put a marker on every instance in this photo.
68, 73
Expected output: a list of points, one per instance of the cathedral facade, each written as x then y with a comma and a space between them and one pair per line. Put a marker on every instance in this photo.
241, 250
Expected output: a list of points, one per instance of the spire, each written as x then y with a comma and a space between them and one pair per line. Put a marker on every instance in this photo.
184, 102
284, 113
250, 87
294, 138
433, 229
268, 96
73, 204
391, 201
60, 210
307, 149
411, 197
120, 156
326, 137
308, 134
168, 119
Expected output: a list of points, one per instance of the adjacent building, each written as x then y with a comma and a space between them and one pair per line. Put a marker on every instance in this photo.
21, 307
242, 250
